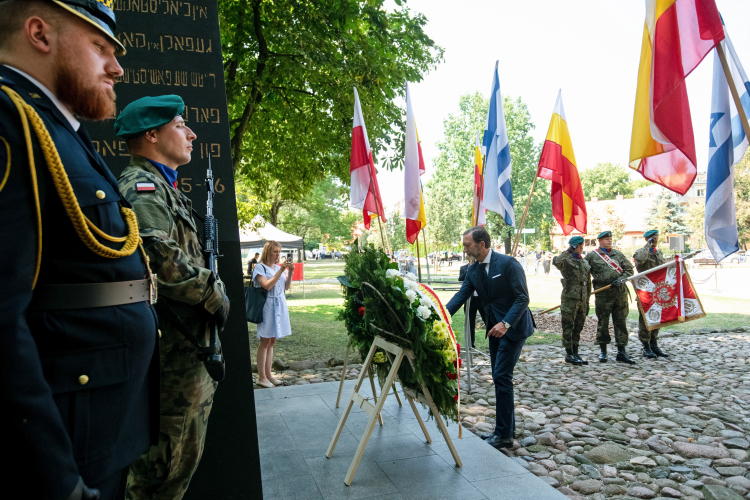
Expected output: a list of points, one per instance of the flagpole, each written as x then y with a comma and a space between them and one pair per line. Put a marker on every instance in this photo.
377, 205
419, 261
636, 276
388, 240
475, 222
733, 89
523, 218
427, 256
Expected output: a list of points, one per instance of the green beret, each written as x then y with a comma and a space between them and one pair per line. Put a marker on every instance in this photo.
604, 234
148, 113
650, 233
575, 241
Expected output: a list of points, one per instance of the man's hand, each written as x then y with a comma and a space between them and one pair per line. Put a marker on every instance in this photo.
83, 492
498, 330
618, 282
221, 315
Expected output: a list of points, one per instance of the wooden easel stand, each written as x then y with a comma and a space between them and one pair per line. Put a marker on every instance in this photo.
396, 354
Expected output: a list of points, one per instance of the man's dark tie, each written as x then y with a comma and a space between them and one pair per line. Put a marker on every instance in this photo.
483, 276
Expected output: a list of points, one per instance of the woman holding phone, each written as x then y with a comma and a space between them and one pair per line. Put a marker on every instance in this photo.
275, 325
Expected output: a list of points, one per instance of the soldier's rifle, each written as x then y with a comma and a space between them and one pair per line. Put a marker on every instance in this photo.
635, 276
214, 360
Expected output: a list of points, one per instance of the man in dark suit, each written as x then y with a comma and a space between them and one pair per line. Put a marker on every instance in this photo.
500, 283
79, 376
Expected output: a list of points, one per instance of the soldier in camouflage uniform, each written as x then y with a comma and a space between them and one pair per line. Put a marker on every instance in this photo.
576, 281
647, 258
613, 301
159, 142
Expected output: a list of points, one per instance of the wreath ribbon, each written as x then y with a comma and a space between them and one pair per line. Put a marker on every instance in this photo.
445, 317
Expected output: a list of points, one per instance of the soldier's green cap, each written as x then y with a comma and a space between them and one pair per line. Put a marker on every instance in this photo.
148, 113
604, 234
575, 241
650, 233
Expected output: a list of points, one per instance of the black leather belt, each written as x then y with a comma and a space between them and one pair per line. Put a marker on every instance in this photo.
90, 295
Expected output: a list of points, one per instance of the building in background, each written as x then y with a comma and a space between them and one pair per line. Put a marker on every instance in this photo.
631, 215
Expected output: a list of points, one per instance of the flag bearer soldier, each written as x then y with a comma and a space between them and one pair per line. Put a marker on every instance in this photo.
610, 267
574, 300
78, 333
647, 258
189, 293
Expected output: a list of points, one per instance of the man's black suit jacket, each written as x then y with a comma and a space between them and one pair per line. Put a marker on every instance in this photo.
506, 297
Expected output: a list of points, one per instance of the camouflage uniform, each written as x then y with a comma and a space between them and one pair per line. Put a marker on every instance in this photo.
645, 259
576, 281
173, 245
613, 301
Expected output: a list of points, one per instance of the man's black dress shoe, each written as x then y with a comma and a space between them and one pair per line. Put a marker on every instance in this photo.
486, 436
497, 442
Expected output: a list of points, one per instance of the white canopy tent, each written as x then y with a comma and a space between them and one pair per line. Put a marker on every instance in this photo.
256, 239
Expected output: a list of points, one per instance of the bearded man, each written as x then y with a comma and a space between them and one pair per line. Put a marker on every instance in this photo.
78, 334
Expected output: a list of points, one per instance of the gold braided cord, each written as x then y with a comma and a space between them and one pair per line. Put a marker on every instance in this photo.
62, 184
19, 103
7, 167
103, 234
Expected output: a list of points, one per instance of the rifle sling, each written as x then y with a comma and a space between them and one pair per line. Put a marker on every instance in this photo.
166, 311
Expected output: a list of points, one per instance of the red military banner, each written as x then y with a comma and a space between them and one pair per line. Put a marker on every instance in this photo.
666, 296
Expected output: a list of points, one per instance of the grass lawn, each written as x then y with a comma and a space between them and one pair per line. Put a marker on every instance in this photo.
317, 335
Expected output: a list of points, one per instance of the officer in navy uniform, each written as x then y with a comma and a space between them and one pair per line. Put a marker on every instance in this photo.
78, 334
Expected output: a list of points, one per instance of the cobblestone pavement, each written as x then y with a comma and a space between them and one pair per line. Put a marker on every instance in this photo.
667, 428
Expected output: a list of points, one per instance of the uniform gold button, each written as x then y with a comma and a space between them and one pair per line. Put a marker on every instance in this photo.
83, 379
100, 194
159, 333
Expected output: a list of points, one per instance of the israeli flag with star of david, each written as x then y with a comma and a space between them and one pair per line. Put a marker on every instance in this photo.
726, 147
497, 192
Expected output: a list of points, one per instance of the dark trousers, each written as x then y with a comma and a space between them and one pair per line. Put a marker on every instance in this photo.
504, 354
475, 307
111, 488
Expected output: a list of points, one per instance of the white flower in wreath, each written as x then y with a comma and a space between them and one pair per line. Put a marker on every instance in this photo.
424, 301
424, 312
411, 276
411, 295
411, 285
391, 273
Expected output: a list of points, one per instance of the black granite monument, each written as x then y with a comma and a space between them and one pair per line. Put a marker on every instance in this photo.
174, 47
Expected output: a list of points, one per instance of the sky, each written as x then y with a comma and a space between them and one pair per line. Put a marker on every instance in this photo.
588, 48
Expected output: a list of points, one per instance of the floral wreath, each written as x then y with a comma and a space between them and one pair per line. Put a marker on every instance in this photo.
415, 318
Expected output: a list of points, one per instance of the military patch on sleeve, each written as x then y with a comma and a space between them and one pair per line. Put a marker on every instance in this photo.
145, 187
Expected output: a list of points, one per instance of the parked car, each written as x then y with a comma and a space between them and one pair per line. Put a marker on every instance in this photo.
737, 257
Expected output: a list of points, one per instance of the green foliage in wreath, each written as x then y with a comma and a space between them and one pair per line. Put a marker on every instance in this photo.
403, 317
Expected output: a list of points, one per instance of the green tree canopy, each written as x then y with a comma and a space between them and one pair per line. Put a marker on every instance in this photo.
454, 167
322, 216
742, 199
606, 180
290, 68
667, 216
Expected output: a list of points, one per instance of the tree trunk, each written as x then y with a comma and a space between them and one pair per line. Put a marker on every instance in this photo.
507, 241
256, 94
273, 214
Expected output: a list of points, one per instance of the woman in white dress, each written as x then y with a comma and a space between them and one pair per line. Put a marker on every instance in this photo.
275, 325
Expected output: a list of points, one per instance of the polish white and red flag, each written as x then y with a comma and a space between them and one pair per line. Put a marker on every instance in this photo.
666, 296
364, 193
